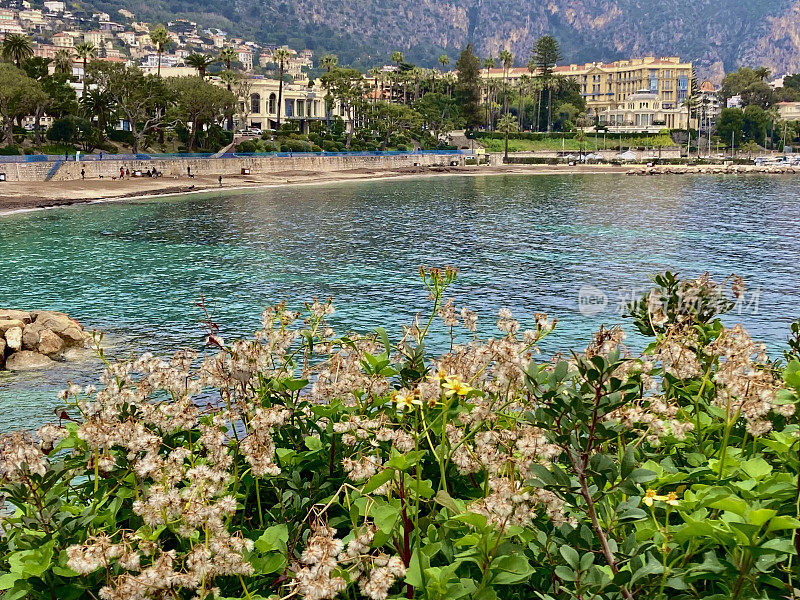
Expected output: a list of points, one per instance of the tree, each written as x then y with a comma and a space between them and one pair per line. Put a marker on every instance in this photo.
755, 123
439, 112
690, 103
198, 102
345, 86
63, 100
468, 86
750, 147
398, 58
17, 98
227, 56
328, 62
98, 103
281, 56
507, 124
730, 125
444, 60
750, 85
507, 60
62, 62
388, 118
488, 64
16, 48
792, 81
201, 62
161, 40
86, 51
142, 100
546, 53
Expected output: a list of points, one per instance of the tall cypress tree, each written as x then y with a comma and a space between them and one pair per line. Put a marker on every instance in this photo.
468, 87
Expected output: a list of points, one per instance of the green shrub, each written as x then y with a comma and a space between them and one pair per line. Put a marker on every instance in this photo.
9, 150
321, 465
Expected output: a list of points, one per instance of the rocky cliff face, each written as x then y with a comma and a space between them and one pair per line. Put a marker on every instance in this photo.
715, 35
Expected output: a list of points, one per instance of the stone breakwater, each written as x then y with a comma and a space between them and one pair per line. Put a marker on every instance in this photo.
715, 170
36, 339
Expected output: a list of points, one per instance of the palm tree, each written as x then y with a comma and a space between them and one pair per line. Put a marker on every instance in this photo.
280, 56
16, 48
227, 56
444, 60
161, 40
690, 104
488, 64
100, 104
398, 58
200, 62
329, 62
507, 60
229, 78
376, 73
84, 51
62, 62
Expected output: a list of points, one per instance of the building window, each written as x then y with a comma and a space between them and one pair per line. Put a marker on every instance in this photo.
272, 104
289, 108
255, 103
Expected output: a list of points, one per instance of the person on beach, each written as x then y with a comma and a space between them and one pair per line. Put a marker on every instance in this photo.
83, 173
189, 170
121, 173
128, 173
101, 155
220, 181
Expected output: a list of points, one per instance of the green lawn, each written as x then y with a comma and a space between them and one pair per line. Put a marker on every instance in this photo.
590, 144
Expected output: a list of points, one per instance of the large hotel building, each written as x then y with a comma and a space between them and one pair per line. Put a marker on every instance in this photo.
640, 94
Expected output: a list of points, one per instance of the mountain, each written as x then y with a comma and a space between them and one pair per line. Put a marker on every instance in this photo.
717, 35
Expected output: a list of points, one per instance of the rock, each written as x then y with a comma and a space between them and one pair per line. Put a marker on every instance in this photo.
14, 338
6, 324
30, 336
15, 315
2, 351
59, 323
49, 343
27, 360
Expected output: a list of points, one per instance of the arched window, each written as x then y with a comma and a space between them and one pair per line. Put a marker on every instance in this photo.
255, 103
273, 104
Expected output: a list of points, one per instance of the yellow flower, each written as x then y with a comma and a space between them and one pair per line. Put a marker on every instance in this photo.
672, 499
650, 496
437, 376
406, 400
453, 385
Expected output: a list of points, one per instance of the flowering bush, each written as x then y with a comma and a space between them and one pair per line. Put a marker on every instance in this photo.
307, 464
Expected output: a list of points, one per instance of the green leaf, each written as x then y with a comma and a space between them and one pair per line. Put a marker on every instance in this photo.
446, 500
757, 468
31, 563
385, 516
313, 443
7, 580
273, 538
419, 562
760, 516
565, 573
732, 504
628, 462
570, 555
651, 567
511, 569
782, 522
378, 480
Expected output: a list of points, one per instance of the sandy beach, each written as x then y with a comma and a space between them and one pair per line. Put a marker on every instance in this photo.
24, 196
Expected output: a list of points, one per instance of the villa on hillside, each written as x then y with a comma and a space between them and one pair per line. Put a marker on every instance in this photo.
640, 94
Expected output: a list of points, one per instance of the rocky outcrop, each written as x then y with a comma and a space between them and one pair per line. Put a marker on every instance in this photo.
35, 339
715, 170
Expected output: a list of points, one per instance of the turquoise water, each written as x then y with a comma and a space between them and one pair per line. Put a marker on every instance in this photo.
136, 269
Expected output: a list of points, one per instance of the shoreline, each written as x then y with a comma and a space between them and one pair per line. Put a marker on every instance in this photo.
25, 197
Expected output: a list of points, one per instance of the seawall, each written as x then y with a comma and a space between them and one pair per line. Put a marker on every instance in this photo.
178, 167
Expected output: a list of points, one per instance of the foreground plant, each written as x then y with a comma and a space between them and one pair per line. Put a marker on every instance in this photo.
307, 464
